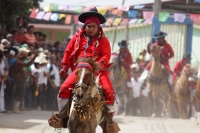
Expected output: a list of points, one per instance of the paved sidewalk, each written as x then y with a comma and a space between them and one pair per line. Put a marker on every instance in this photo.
36, 122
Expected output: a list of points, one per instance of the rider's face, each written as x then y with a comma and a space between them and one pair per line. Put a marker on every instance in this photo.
161, 41
91, 29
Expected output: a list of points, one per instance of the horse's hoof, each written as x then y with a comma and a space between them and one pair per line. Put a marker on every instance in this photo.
153, 115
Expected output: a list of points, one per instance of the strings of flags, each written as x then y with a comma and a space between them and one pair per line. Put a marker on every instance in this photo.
132, 18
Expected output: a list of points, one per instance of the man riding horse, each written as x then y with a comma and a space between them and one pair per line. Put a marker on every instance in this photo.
88, 42
180, 64
166, 54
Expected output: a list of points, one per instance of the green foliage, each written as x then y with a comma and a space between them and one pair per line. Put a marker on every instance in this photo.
11, 9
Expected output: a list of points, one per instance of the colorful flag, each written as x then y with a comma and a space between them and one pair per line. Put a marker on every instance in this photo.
163, 16
117, 21
139, 6
103, 11
68, 19
54, 17
47, 16
62, 16
195, 17
54, 7
123, 8
132, 21
124, 21
33, 13
78, 9
76, 19
140, 20
148, 15
132, 13
109, 21
179, 17
62, 7
40, 15
46, 8
147, 22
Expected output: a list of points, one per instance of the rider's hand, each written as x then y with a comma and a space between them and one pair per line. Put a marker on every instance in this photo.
63, 74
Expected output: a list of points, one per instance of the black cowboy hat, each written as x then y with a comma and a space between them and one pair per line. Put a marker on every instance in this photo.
188, 56
90, 13
122, 44
160, 35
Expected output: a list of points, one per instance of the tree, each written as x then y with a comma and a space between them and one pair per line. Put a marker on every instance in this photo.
11, 9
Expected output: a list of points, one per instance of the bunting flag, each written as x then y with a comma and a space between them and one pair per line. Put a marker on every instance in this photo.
46, 9
40, 15
163, 16
54, 7
132, 21
103, 11
139, 6
124, 22
47, 16
62, 16
116, 21
132, 13
140, 20
78, 9
76, 19
123, 8
178, 17
62, 7
148, 15
147, 22
117, 12
33, 13
54, 17
195, 17
109, 21
68, 19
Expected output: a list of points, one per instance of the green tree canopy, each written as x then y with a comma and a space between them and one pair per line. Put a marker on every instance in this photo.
11, 9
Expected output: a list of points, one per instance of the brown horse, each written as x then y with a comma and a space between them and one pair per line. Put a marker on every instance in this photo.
118, 77
88, 108
180, 97
197, 93
157, 82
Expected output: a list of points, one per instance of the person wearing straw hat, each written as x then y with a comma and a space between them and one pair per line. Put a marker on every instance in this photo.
89, 42
20, 76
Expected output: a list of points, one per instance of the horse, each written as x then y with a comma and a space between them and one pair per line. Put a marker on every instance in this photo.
88, 107
118, 78
180, 97
157, 82
197, 93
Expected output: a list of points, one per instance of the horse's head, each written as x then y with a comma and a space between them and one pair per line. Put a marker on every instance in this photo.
188, 70
155, 50
114, 59
84, 78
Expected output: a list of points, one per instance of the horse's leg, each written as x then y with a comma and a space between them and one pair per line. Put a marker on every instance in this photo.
179, 108
166, 102
170, 107
154, 95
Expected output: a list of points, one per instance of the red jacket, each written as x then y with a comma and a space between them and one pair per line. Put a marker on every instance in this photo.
102, 52
167, 52
178, 68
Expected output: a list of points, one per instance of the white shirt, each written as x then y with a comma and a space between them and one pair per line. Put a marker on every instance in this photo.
44, 69
55, 72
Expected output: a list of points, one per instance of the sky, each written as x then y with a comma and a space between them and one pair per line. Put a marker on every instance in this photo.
97, 2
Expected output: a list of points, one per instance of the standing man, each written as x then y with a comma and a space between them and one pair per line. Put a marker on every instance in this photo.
125, 58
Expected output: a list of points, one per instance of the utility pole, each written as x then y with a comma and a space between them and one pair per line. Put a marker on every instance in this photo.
157, 7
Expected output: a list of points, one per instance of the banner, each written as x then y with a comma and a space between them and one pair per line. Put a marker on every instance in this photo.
62, 16
117, 21
47, 16
124, 21
76, 19
33, 13
103, 11
178, 17
132, 21
40, 15
54, 17
68, 19
132, 13
195, 17
163, 16
148, 15
109, 21
53, 7
123, 8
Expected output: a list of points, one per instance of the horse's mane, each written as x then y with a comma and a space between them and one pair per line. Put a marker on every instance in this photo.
95, 66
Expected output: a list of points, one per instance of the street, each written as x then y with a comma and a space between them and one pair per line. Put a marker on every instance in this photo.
36, 122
